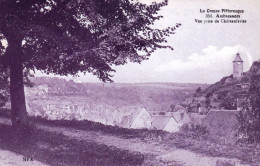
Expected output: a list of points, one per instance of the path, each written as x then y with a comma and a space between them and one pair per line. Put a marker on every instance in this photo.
184, 157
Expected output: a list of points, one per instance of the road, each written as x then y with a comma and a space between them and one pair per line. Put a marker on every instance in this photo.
169, 154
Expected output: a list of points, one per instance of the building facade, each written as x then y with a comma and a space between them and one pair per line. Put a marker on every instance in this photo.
237, 66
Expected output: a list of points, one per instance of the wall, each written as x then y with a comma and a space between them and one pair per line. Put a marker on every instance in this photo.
237, 69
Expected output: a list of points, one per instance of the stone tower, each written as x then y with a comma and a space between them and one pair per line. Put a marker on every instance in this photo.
237, 66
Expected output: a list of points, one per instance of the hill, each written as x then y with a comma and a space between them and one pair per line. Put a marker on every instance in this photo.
154, 96
228, 93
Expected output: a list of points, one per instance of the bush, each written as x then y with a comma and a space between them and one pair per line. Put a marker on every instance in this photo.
194, 130
229, 103
5, 112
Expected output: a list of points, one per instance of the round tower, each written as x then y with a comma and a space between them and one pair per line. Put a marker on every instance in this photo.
237, 66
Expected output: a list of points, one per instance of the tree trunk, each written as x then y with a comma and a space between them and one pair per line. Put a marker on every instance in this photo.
18, 106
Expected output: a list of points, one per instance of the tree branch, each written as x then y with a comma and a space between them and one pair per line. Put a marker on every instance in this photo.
60, 5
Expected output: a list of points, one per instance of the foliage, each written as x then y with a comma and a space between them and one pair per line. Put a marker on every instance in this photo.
194, 130
222, 94
207, 102
248, 128
66, 37
4, 87
198, 90
228, 103
72, 36
198, 105
5, 84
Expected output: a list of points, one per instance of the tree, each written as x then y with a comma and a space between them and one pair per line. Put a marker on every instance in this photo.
228, 103
5, 84
198, 90
70, 36
207, 101
4, 87
249, 118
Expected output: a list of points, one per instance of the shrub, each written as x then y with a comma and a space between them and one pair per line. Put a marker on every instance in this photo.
228, 103
248, 128
5, 112
194, 130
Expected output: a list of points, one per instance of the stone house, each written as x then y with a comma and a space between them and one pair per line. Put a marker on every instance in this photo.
136, 119
142, 120
221, 124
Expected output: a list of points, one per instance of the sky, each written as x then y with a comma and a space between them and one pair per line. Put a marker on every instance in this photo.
203, 53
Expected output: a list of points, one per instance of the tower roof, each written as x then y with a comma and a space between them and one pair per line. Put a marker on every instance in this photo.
238, 58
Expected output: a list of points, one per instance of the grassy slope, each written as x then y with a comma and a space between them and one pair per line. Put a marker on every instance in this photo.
58, 150
194, 141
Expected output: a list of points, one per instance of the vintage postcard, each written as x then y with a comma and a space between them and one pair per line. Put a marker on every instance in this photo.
129, 82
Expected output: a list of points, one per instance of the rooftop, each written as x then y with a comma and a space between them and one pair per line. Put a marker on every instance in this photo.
238, 58
160, 122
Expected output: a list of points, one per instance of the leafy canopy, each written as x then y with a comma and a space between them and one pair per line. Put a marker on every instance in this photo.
70, 36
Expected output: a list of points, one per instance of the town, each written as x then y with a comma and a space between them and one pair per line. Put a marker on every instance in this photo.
135, 117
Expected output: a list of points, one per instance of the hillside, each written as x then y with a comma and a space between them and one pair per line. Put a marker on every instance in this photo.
228, 93
154, 96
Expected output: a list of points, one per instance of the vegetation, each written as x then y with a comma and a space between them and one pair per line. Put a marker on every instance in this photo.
225, 93
70, 36
198, 90
249, 118
57, 149
195, 130
5, 84
153, 96
194, 137
229, 103
4, 88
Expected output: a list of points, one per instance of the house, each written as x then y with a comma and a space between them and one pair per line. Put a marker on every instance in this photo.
203, 110
222, 124
138, 119
165, 123
142, 120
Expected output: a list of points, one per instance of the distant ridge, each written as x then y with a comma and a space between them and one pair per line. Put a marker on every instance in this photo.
154, 96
